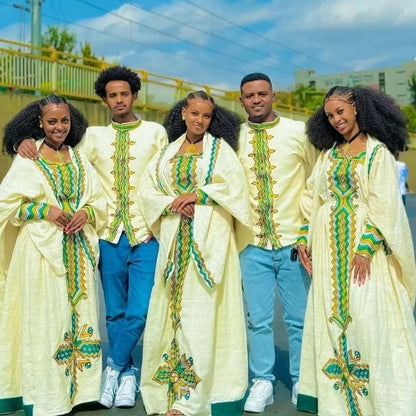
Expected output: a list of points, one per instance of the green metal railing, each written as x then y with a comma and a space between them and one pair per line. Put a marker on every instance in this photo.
45, 70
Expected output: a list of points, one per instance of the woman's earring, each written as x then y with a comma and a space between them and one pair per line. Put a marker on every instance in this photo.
355, 112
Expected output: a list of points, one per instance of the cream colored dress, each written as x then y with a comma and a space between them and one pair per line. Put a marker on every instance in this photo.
359, 342
49, 341
194, 351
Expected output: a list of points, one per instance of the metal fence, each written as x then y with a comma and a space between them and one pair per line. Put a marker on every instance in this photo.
27, 68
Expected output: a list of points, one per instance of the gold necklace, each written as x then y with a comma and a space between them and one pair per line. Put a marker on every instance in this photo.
191, 148
59, 155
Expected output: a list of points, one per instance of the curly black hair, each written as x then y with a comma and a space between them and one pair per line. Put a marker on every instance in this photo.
117, 73
224, 124
378, 115
26, 124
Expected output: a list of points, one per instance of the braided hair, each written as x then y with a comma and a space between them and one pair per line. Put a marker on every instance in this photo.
224, 123
378, 115
26, 124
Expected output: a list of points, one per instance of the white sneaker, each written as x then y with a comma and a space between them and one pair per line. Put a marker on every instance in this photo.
295, 391
126, 393
261, 395
109, 387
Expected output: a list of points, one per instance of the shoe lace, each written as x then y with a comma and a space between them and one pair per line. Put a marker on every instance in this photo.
127, 381
111, 383
259, 388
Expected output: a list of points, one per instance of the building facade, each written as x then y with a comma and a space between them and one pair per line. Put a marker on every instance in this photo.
392, 80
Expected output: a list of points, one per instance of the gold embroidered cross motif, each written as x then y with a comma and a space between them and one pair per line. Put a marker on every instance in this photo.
76, 352
351, 376
177, 373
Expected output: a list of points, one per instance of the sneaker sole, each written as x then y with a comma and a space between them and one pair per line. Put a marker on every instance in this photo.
260, 409
105, 403
125, 403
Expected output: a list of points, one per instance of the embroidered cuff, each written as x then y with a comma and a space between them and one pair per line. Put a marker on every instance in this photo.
34, 211
203, 199
302, 239
370, 241
167, 211
90, 214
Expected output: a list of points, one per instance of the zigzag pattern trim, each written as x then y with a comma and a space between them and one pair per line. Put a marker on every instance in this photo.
370, 241
34, 211
264, 184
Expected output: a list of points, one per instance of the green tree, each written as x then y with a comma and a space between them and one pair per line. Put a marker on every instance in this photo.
60, 39
410, 113
89, 57
308, 97
412, 87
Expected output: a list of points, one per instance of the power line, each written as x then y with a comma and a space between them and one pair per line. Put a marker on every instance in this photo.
140, 43
258, 35
199, 29
141, 24
193, 59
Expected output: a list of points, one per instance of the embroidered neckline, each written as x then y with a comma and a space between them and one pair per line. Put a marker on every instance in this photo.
266, 124
126, 126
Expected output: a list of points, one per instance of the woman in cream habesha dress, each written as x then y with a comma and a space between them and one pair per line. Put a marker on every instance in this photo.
359, 343
194, 351
50, 211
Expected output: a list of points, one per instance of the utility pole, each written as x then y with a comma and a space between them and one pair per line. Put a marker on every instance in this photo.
36, 24
36, 39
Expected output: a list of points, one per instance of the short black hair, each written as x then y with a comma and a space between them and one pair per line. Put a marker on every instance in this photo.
255, 76
117, 73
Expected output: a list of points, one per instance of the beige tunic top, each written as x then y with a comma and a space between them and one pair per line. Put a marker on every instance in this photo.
277, 158
120, 153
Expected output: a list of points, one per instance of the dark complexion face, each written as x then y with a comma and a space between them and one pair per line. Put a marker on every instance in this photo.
341, 116
257, 99
198, 116
56, 123
119, 100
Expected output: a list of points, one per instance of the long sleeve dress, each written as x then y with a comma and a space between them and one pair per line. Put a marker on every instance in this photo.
194, 350
359, 342
49, 341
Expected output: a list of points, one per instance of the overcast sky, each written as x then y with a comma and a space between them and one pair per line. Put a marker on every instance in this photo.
217, 42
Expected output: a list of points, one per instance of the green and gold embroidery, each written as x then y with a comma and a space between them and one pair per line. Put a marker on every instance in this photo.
67, 180
351, 376
302, 238
370, 241
177, 372
122, 173
33, 211
264, 183
77, 351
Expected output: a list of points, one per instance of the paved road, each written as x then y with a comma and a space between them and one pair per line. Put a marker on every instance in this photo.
282, 405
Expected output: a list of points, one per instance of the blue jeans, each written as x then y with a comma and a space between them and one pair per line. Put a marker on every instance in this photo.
127, 275
261, 269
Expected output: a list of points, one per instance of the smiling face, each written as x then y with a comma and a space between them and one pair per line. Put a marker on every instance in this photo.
257, 99
56, 123
198, 116
119, 100
341, 116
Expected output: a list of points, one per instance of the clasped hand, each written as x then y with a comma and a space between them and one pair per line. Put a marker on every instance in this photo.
69, 224
184, 204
